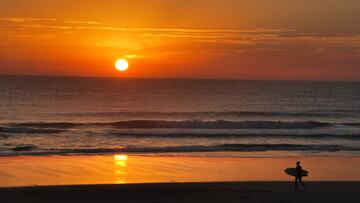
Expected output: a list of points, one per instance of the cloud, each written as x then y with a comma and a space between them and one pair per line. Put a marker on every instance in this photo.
234, 41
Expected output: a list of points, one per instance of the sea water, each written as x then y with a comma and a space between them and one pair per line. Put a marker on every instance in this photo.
77, 115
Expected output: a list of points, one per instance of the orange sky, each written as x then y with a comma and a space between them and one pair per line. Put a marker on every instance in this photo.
235, 39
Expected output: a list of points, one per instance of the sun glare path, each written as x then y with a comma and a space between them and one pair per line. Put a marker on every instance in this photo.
120, 168
121, 65
120, 157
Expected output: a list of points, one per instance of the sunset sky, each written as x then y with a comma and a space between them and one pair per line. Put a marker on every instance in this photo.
230, 39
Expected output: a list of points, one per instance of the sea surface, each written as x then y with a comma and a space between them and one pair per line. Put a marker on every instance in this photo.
74, 115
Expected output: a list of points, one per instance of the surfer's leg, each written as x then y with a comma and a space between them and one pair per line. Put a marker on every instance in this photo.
296, 182
302, 183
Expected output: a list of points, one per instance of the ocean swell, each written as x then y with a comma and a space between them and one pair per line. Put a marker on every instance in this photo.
333, 113
234, 135
191, 124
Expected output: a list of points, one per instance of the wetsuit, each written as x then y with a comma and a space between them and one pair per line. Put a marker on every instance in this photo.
299, 176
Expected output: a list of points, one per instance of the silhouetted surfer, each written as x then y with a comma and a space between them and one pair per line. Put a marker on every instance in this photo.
298, 176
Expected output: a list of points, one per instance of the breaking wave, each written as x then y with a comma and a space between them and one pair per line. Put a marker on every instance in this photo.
33, 150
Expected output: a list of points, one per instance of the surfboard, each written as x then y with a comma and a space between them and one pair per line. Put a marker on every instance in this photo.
292, 172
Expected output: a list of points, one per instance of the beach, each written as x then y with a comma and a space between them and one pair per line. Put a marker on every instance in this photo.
188, 192
153, 178
125, 169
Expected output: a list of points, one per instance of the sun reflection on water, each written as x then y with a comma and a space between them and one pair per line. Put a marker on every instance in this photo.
120, 157
120, 161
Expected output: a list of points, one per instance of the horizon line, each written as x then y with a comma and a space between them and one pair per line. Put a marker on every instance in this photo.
172, 78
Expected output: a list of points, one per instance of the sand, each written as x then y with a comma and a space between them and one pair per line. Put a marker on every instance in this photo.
188, 192
122, 169
130, 178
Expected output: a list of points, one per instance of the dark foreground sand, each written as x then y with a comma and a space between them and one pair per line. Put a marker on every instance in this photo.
188, 192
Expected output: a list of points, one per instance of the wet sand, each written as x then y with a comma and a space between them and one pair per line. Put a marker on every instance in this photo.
123, 178
122, 169
188, 192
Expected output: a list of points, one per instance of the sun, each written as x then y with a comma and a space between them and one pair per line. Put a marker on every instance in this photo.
121, 65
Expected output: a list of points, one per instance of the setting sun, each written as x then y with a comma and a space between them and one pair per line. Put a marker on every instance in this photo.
121, 65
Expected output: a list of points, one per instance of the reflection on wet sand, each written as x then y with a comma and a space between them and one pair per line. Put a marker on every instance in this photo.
121, 168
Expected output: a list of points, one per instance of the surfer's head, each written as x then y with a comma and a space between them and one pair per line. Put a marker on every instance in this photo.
298, 163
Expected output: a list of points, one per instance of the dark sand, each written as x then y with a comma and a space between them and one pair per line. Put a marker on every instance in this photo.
188, 192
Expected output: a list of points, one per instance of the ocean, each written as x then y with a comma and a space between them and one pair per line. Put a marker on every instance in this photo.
174, 117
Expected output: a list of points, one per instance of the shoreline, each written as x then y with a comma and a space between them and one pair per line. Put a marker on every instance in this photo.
264, 191
184, 155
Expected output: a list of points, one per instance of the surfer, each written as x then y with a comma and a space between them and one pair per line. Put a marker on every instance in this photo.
298, 176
